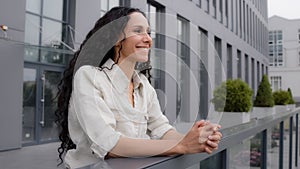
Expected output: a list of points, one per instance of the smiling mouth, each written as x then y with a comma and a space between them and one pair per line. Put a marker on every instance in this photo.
143, 48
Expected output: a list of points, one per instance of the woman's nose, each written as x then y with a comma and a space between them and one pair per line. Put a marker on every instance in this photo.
147, 38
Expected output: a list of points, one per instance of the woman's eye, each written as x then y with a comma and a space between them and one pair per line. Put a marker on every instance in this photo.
138, 30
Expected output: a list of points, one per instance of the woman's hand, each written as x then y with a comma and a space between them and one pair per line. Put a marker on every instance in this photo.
202, 137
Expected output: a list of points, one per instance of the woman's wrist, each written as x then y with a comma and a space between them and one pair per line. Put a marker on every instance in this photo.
179, 148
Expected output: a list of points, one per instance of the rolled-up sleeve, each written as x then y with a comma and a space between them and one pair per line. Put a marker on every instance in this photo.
158, 124
94, 116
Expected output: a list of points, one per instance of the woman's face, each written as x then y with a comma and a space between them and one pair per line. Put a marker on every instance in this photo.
137, 42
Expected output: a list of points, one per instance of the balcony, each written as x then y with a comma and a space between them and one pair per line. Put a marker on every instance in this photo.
268, 143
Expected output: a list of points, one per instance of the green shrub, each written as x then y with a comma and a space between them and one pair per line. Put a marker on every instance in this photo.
291, 101
281, 97
232, 96
264, 97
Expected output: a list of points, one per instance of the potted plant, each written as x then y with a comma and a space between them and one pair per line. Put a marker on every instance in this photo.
263, 104
233, 97
281, 100
291, 105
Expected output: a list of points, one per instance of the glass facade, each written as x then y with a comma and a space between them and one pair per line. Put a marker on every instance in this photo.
47, 29
46, 53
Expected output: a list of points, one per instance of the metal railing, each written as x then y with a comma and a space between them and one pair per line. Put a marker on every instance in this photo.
270, 142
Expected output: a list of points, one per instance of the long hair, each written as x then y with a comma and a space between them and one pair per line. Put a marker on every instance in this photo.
65, 85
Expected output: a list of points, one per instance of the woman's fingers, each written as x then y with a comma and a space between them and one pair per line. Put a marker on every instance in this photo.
215, 137
212, 144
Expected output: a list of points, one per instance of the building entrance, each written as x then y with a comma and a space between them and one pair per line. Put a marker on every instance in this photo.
39, 103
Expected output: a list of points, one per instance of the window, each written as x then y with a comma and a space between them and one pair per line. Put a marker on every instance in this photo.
154, 13
203, 73
221, 10
107, 5
253, 85
244, 20
198, 3
205, 5
214, 8
46, 25
239, 64
229, 61
232, 17
226, 13
298, 35
275, 48
298, 56
218, 61
276, 83
236, 18
240, 20
247, 68
183, 54
258, 73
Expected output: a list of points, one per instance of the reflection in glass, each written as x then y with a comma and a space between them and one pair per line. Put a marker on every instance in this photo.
33, 6
32, 29
53, 9
54, 56
29, 108
247, 155
256, 151
31, 54
52, 33
273, 136
49, 130
212, 162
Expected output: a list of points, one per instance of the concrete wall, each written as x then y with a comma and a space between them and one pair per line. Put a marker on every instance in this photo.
12, 14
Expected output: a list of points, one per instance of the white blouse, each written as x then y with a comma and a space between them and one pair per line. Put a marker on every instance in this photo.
100, 112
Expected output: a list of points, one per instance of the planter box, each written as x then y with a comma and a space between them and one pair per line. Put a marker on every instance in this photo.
261, 112
281, 108
229, 119
291, 106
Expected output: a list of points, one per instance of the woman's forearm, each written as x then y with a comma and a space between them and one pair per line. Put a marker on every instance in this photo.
132, 147
202, 137
172, 135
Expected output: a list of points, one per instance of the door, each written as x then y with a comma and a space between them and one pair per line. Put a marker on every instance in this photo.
39, 103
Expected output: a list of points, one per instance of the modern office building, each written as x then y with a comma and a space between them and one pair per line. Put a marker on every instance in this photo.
197, 45
284, 54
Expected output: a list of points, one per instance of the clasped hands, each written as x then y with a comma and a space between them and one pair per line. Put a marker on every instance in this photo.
202, 137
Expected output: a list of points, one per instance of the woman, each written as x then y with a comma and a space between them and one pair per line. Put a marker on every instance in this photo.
107, 109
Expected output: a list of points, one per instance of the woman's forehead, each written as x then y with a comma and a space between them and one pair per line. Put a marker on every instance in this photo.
137, 19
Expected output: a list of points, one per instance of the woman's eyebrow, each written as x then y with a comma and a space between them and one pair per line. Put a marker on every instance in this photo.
141, 26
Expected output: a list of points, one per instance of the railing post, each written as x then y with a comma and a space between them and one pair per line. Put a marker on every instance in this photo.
281, 129
264, 150
226, 157
291, 143
296, 141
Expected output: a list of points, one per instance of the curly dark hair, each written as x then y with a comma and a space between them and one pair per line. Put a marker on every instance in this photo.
65, 85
